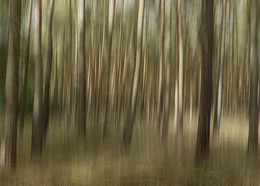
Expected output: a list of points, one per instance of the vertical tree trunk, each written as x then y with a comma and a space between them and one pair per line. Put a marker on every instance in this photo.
168, 61
46, 100
128, 128
253, 104
180, 94
219, 90
176, 92
49, 57
37, 105
206, 40
81, 84
9, 137
111, 13
27, 59
161, 52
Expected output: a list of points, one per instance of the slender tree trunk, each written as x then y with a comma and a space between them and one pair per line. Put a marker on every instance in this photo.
253, 104
128, 128
161, 51
206, 40
27, 59
9, 137
168, 71
176, 92
37, 105
81, 84
180, 95
46, 100
219, 90
111, 13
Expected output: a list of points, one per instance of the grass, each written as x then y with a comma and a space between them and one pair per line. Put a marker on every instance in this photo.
69, 161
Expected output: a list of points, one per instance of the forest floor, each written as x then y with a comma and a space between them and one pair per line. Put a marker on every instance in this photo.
69, 161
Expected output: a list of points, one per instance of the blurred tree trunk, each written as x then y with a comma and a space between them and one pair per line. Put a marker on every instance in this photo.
161, 52
9, 137
253, 104
61, 85
37, 105
27, 59
128, 128
81, 83
180, 94
176, 92
219, 90
168, 71
111, 14
46, 100
206, 40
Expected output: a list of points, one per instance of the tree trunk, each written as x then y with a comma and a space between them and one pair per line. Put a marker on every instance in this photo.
111, 13
27, 59
81, 84
161, 52
206, 40
180, 94
37, 105
9, 137
128, 128
219, 90
167, 89
46, 100
253, 104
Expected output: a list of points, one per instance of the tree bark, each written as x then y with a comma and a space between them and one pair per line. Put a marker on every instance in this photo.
128, 128
37, 105
206, 40
253, 103
81, 84
161, 58
219, 90
9, 137
27, 59
46, 100
168, 71
111, 13
180, 94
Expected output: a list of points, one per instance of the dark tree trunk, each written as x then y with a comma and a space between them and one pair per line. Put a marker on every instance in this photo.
253, 104
9, 137
37, 105
27, 58
81, 84
206, 40
46, 100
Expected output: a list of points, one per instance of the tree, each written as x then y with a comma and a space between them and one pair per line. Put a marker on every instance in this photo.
253, 103
161, 51
206, 42
81, 83
168, 71
37, 104
46, 100
27, 58
128, 128
111, 14
180, 89
219, 90
9, 137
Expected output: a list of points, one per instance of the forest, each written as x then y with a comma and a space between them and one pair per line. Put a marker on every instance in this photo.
129, 92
